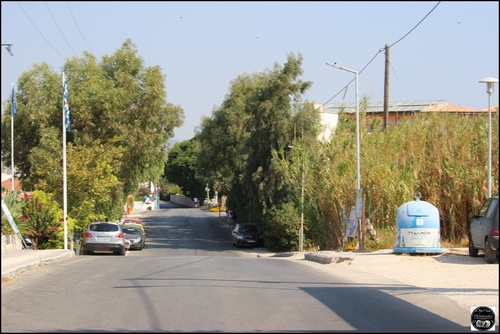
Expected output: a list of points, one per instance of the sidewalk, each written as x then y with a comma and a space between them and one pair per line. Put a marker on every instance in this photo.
17, 261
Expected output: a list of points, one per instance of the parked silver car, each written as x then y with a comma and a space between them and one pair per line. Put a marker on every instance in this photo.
483, 232
105, 237
136, 234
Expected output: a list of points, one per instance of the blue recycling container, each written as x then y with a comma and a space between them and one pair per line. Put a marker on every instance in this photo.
418, 228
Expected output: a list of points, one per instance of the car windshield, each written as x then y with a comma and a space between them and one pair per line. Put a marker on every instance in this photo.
131, 230
247, 228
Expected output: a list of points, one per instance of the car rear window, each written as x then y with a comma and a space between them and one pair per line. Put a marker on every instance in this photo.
104, 227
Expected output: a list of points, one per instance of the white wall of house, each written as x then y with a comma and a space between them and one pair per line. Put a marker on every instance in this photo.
329, 121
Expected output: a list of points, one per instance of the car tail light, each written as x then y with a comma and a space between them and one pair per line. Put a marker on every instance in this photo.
494, 233
119, 235
87, 235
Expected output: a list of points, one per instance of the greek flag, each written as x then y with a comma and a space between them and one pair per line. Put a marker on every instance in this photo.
13, 101
65, 106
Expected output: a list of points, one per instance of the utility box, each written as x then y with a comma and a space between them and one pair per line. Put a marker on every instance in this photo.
418, 228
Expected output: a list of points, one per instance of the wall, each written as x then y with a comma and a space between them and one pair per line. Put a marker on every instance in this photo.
11, 242
182, 200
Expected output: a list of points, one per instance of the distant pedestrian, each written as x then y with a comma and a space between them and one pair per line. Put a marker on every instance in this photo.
230, 217
195, 200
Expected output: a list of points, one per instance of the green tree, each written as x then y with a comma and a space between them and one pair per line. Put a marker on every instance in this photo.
120, 125
182, 168
244, 139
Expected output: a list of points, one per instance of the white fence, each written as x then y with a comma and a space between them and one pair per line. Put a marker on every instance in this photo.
11, 242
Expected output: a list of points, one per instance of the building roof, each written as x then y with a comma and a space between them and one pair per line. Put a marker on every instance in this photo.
403, 107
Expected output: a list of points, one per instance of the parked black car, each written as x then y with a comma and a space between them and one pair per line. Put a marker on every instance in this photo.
27, 244
246, 235
483, 232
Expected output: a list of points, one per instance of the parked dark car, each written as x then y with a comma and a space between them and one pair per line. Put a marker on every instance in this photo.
105, 237
27, 244
246, 235
483, 232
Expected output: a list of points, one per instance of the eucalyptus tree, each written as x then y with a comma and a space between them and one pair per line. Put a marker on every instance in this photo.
246, 136
120, 124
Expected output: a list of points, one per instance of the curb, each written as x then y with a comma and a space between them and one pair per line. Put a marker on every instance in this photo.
326, 259
35, 262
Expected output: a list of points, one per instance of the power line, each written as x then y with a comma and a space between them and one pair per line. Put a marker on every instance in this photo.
343, 88
79, 28
55, 21
381, 50
422, 20
39, 30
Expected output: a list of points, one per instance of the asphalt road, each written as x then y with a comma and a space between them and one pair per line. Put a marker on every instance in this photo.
190, 278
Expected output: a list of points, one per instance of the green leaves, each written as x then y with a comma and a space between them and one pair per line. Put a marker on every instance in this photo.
120, 125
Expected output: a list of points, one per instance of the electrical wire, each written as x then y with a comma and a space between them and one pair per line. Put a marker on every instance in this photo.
422, 20
81, 33
58, 27
381, 50
39, 30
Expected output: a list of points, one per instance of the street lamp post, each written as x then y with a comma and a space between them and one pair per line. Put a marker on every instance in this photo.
301, 229
207, 189
489, 81
357, 122
358, 169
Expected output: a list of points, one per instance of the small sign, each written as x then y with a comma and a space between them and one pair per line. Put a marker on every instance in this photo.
419, 237
359, 204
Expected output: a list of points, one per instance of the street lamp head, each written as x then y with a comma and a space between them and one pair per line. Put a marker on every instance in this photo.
8, 46
342, 68
489, 81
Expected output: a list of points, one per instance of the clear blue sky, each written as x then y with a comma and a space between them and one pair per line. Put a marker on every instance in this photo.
439, 50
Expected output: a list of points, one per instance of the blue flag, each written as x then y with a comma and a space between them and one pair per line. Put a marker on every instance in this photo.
65, 106
13, 102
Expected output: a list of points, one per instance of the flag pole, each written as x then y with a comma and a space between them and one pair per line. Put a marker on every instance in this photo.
13, 111
65, 195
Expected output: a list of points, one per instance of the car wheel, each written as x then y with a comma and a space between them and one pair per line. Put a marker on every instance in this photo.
473, 251
490, 254
86, 252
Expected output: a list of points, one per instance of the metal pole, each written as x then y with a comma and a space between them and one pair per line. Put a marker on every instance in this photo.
12, 137
65, 191
358, 173
490, 82
301, 231
358, 169
489, 142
